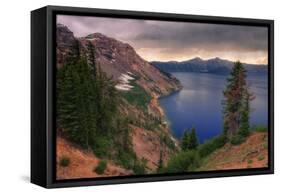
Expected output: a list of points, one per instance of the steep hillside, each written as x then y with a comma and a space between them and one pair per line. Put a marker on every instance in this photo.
253, 153
82, 162
139, 83
116, 59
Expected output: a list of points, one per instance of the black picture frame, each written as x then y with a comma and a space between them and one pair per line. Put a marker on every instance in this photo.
43, 60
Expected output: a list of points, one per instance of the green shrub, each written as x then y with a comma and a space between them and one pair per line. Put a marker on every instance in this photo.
101, 146
250, 161
260, 128
126, 158
237, 139
182, 162
129, 160
260, 158
64, 161
139, 166
189, 140
100, 168
211, 145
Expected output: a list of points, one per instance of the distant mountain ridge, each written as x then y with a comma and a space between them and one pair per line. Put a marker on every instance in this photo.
214, 65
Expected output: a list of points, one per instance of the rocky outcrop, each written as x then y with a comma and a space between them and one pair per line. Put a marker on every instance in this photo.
66, 46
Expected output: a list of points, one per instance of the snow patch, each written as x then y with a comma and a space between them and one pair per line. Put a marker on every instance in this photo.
124, 82
91, 38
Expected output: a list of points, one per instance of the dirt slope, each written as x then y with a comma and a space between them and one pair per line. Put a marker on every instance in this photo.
147, 146
253, 153
82, 163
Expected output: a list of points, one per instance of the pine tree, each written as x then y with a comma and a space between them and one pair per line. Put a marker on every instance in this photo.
193, 139
236, 106
92, 58
189, 140
74, 105
244, 128
160, 162
87, 103
107, 102
185, 140
66, 98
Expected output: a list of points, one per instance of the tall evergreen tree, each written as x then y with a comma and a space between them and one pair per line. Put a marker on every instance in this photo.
236, 106
74, 102
91, 58
160, 162
107, 102
189, 140
193, 139
185, 140
244, 128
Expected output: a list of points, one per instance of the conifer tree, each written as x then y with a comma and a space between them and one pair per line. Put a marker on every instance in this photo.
193, 139
160, 162
185, 140
236, 107
107, 102
74, 105
91, 58
244, 128
189, 140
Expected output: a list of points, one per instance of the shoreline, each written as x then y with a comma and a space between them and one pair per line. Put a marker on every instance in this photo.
165, 118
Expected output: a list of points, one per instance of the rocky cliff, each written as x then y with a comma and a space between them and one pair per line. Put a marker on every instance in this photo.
116, 59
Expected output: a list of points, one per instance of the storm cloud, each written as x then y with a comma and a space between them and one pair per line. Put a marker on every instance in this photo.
162, 40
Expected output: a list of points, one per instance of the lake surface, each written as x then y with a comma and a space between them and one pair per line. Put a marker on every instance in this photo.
198, 104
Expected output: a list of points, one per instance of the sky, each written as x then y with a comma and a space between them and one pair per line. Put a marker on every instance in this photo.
178, 41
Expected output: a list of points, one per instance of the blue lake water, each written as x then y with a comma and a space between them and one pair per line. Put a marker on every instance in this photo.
198, 104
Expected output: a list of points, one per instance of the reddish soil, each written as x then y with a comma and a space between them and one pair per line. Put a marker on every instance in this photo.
253, 153
147, 145
82, 163
155, 107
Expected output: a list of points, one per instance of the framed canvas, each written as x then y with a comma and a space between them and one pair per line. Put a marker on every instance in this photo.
125, 96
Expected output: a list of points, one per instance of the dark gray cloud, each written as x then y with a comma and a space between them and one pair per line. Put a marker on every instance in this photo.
161, 40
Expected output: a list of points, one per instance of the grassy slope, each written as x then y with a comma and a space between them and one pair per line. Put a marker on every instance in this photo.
137, 95
253, 153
